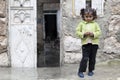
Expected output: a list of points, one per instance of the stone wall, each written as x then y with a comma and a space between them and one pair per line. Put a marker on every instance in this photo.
70, 44
112, 39
3, 34
109, 40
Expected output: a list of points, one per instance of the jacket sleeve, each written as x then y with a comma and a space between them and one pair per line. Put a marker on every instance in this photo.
79, 32
97, 32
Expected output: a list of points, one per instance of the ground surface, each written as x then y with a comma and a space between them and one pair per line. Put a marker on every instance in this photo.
66, 72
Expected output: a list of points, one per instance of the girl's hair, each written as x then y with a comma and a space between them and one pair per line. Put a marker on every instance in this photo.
88, 11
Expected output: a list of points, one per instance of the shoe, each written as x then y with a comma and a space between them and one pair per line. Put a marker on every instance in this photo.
90, 73
81, 75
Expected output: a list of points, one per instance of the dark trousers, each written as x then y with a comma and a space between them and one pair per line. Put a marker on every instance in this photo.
88, 54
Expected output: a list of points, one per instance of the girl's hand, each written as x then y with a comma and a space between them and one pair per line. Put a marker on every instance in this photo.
91, 34
86, 34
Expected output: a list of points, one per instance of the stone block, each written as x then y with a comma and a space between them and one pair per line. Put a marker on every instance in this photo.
4, 61
72, 44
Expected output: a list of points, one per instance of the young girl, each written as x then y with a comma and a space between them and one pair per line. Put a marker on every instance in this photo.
89, 31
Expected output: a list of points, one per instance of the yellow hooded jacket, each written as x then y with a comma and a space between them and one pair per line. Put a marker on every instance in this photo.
94, 28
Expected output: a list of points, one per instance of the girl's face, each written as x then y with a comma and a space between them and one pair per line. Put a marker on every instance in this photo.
88, 17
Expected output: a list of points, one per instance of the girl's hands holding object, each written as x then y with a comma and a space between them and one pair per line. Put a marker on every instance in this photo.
89, 34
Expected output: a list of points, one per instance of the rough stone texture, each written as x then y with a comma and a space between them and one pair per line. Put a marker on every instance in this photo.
72, 46
118, 36
112, 41
4, 59
75, 58
109, 24
111, 45
2, 28
3, 35
2, 8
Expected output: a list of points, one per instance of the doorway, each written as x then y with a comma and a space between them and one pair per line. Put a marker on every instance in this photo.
49, 56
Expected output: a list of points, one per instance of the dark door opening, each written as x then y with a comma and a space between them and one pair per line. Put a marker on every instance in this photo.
51, 45
50, 57
50, 27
